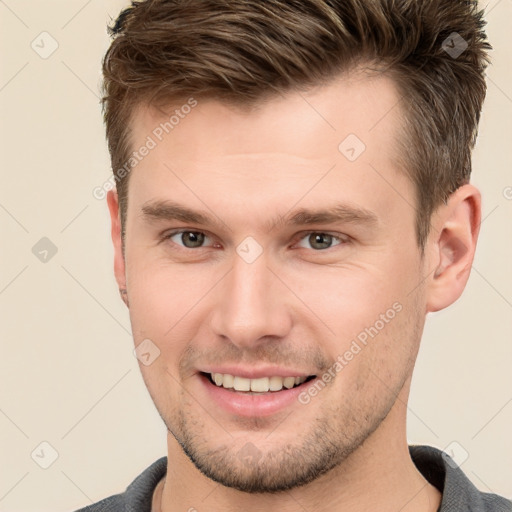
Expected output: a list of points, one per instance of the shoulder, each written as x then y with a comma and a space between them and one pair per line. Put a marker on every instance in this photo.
111, 504
459, 493
138, 495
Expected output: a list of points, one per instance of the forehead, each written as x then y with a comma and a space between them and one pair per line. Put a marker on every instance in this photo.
336, 140
361, 103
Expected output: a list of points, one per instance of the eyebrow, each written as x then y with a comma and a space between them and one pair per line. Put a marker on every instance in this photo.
166, 210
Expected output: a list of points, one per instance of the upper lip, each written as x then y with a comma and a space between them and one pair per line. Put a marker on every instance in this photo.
256, 373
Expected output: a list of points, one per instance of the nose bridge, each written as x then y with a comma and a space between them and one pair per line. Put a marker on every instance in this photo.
249, 307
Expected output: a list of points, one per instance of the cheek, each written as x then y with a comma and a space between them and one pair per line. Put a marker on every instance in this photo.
379, 358
162, 294
347, 298
368, 317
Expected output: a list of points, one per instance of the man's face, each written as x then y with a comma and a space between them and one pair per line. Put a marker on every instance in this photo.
255, 290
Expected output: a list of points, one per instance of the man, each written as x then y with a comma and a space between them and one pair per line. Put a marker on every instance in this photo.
292, 198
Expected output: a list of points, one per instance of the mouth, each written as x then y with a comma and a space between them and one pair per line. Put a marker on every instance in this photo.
260, 386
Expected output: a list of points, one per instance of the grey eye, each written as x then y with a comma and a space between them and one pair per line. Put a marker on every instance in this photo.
189, 239
319, 241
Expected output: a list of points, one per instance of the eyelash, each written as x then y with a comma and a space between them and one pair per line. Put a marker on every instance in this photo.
343, 239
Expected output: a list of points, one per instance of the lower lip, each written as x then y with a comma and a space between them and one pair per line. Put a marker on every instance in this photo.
250, 405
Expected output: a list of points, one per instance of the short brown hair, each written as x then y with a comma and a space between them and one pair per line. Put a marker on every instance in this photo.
243, 51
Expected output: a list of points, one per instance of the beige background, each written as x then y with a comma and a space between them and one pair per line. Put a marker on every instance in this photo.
69, 377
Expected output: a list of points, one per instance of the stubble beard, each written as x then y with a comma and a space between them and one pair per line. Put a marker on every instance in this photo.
326, 444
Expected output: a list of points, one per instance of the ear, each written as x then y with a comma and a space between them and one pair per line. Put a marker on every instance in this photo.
119, 264
452, 243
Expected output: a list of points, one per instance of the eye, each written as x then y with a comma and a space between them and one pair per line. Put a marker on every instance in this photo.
187, 239
320, 241
316, 240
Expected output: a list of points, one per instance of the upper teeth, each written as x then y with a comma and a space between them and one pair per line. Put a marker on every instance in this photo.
263, 384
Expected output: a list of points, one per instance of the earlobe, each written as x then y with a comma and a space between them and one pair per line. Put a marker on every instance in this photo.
124, 296
119, 264
454, 235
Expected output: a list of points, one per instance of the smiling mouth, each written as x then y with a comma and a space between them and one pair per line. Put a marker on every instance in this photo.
259, 386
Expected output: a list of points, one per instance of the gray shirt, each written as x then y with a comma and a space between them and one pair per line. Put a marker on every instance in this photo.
459, 494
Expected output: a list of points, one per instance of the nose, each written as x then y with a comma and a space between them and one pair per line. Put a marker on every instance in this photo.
251, 304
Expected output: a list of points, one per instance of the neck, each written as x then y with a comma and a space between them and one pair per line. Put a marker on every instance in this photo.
378, 475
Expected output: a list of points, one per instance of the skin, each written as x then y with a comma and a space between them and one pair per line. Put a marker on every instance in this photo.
297, 305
